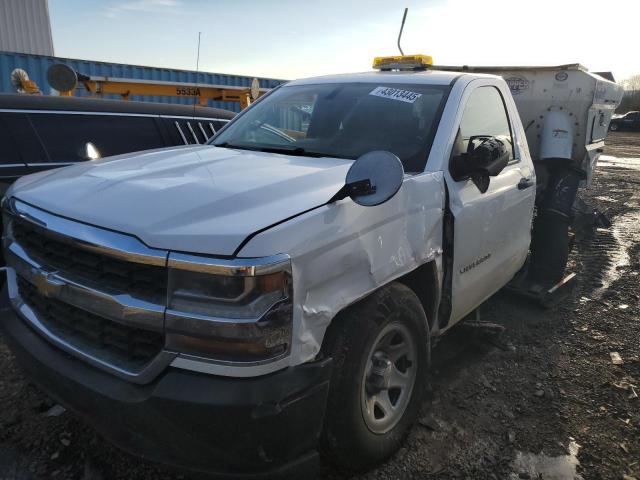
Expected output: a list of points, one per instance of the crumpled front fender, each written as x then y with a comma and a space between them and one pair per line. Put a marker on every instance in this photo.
342, 251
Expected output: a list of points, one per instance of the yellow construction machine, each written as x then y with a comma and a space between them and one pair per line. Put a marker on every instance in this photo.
65, 79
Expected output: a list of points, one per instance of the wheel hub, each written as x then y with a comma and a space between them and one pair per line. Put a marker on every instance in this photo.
380, 375
389, 377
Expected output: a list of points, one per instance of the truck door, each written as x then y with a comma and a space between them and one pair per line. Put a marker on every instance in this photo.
492, 230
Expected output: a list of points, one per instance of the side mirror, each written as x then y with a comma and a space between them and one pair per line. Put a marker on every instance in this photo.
480, 163
373, 179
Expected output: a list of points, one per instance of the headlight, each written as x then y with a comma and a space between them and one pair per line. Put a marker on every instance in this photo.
238, 311
224, 296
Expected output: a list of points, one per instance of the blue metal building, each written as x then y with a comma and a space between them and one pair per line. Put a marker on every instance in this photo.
36, 66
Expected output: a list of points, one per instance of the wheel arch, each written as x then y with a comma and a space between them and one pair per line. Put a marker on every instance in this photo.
425, 284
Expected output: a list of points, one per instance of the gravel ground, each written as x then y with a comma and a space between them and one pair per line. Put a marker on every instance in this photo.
623, 144
542, 400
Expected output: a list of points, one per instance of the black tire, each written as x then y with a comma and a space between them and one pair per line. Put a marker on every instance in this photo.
347, 440
614, 127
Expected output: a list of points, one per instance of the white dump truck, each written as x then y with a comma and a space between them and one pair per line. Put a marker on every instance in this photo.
241, 306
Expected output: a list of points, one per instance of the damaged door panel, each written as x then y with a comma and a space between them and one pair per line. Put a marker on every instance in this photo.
491, 227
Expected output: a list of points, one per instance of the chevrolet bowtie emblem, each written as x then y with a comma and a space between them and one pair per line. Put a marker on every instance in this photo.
45, 282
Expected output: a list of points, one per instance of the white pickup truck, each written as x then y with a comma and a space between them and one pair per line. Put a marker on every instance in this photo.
240, 306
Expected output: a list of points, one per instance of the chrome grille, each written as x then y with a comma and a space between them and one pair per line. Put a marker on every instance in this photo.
148, 282
119, 344
101, 295
94, 293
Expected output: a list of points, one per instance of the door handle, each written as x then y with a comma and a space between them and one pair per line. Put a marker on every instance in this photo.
524, 183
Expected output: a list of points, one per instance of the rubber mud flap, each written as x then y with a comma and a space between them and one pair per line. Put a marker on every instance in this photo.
549, 247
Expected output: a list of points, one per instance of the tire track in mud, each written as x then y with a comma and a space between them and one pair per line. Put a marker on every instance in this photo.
596, 262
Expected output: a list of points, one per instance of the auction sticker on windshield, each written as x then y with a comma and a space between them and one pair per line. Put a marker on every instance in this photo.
395, 94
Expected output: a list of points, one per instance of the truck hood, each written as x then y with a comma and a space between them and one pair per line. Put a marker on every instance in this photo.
200, 199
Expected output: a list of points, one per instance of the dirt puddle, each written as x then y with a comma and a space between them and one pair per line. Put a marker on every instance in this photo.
626, 233
544, 467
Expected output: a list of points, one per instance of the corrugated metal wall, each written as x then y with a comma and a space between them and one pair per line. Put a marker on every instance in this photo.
25, 27
36, 66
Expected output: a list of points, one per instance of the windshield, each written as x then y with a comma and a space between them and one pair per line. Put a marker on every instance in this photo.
344, 120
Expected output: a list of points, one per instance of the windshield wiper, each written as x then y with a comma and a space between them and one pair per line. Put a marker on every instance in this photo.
298, 151
290, 151
232, 145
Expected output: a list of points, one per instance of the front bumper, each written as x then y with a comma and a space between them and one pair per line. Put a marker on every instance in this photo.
249, 427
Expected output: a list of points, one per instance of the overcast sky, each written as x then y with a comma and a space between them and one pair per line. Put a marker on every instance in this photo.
296, 38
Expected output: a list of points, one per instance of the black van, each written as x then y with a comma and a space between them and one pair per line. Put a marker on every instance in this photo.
42, 132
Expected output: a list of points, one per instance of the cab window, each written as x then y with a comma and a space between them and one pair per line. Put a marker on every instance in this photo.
485, 115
